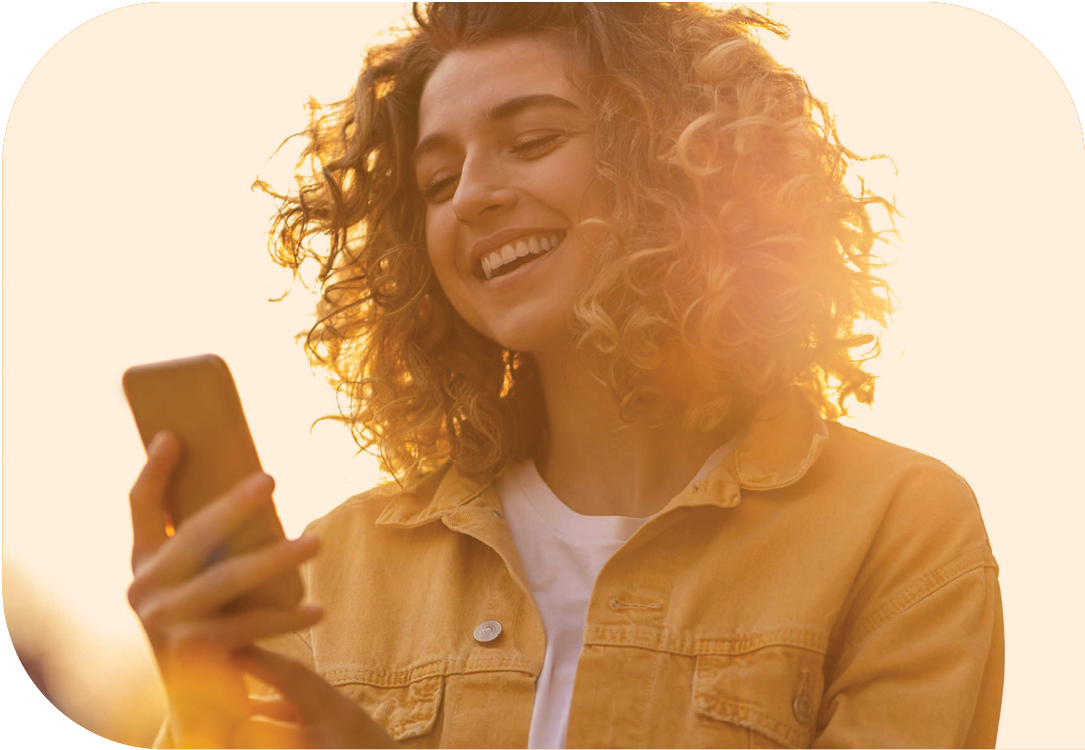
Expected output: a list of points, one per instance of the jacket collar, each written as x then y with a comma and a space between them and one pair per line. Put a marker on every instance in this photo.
781, 443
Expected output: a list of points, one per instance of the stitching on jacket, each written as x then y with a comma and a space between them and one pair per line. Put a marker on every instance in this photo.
754, 641
785, 478
308, 645
420, 517
740, 643
615, 603
750, 717
403, 678
306, 574
422, 715
914, 593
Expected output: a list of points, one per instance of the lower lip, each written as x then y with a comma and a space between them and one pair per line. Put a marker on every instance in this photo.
500, 282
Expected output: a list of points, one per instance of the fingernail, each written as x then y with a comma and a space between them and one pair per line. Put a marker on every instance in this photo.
155, 444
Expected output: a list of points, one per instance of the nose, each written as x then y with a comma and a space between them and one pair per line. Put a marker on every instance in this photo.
482, 189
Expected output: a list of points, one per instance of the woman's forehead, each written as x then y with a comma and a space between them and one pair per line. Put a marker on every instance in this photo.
470, 82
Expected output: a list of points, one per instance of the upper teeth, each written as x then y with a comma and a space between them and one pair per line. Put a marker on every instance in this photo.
534, 245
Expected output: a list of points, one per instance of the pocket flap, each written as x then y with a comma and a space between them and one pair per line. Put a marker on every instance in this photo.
404, 711
775, 691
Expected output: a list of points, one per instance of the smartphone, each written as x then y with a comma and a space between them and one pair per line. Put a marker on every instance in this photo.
195, 399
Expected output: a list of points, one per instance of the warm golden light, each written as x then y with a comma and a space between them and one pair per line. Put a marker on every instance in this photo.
131, 235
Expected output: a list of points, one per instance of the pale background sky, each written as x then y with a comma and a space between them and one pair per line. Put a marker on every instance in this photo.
130, 235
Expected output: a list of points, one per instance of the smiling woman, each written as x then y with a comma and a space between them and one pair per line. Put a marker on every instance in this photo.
516, 170
594, 287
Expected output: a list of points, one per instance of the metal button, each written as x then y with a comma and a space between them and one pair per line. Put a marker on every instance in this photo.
487, 631
803, 708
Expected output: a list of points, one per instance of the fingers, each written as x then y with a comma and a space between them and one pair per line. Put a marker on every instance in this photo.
147, 496
273, 707
229, 579
307, 691
203, 534
201, 537
329, 717
226, 633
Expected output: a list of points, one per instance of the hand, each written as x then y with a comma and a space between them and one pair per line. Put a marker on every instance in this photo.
178, 598
311, 712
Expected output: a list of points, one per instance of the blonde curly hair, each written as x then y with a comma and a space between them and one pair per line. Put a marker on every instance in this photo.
732, 244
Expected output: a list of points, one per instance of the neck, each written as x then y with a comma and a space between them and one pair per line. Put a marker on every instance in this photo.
596, 463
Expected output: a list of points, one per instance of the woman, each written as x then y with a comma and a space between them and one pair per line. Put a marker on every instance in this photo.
592, 287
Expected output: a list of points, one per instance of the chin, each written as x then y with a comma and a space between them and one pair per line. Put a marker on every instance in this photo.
536, 337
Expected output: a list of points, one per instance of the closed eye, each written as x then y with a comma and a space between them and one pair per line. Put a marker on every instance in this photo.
437, 190
535, 147
432, 191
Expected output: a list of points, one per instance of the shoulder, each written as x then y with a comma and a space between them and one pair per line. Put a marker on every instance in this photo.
358, 510
909, 487
359, 515
849, 446
915, 521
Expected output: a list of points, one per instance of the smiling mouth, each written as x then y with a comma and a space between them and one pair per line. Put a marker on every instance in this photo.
519, 253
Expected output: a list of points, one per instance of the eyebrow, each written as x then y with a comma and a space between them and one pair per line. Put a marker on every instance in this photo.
502, 111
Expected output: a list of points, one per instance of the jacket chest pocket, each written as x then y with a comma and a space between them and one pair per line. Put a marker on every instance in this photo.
410, 712
773, 692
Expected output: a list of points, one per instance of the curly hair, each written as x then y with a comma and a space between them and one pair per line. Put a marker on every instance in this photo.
732, 244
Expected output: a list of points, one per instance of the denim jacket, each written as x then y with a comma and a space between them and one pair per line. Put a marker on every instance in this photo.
820, 588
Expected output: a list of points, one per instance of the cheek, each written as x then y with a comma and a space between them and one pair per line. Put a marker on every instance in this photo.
439, 243
575, 185
440, 248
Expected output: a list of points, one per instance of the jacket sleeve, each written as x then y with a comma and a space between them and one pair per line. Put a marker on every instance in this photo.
293, 645
922, 663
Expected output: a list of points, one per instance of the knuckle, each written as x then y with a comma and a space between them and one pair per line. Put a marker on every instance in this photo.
154, 616
142, 561
141, 590
229, 577
135, 492
257, 485
187, 639
135, 593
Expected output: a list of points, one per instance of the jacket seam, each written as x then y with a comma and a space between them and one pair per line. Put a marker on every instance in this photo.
915, 593
308, 645
792, 475
425, 515
652, 640
751, 717
405, 677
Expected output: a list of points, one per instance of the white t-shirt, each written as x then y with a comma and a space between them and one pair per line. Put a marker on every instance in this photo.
562, 553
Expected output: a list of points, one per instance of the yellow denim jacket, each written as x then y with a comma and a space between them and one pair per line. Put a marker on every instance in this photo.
820, 588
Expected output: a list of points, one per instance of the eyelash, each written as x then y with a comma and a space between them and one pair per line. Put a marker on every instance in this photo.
431, 190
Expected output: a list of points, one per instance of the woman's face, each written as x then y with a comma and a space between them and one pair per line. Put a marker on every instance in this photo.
504, 161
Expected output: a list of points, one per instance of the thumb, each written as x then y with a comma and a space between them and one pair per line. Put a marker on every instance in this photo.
303, 688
